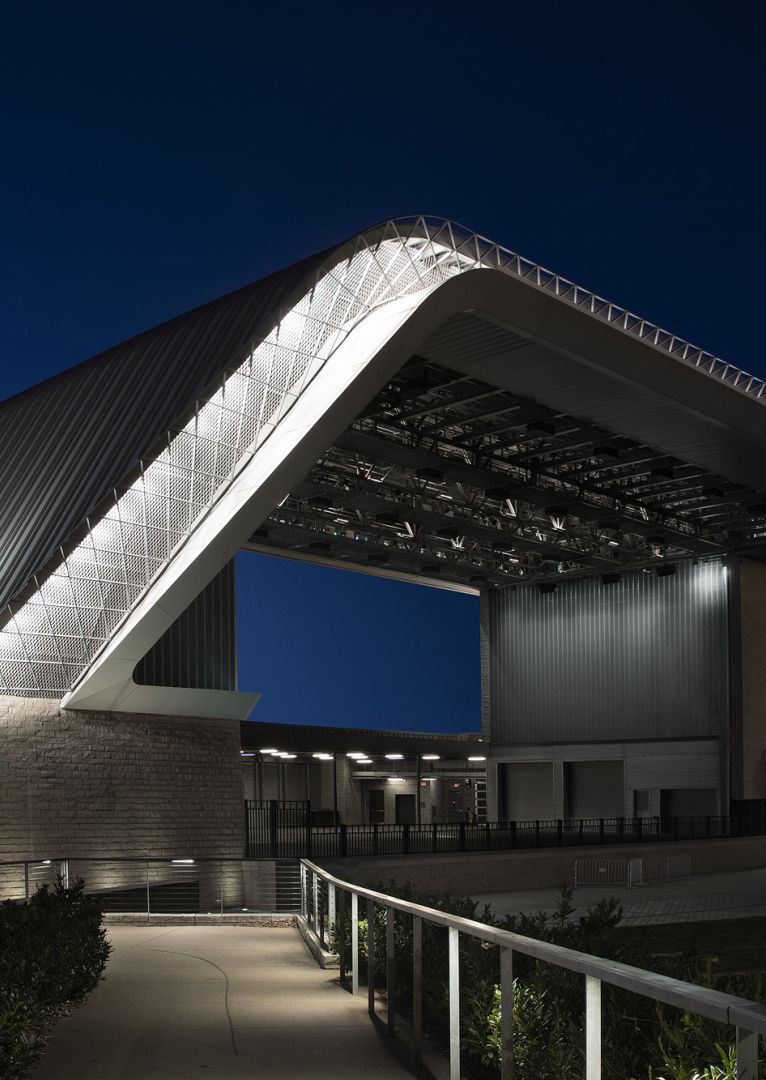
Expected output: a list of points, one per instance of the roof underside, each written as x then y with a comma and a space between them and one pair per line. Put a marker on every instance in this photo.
493, 459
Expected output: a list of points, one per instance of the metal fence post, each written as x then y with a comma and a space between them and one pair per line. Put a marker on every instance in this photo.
747, 1054
434, 838
417, 989
506, 1014
601, 830
592, 1028
390, 973
304, 894
343, 841
341, 912
371, 957
315, 899
461, 836
559, 832
406, 839
454, 1003
354, 943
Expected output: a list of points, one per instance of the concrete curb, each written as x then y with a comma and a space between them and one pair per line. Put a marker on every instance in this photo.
140, 918
324, 958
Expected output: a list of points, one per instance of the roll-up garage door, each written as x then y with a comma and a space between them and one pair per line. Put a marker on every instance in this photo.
528, 789
594, 789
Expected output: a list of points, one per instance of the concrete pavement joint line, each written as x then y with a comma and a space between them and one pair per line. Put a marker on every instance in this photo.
177, 952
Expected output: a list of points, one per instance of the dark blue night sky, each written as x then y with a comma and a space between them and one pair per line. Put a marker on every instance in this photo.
155, 156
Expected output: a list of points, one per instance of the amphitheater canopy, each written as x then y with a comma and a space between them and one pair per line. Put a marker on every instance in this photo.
417, 400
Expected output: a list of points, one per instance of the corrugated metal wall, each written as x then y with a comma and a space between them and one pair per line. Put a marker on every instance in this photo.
643, 658
199, 649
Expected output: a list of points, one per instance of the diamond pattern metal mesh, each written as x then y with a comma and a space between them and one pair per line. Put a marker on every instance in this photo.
48, 640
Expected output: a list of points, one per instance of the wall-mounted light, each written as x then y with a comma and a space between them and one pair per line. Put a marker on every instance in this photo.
182, 862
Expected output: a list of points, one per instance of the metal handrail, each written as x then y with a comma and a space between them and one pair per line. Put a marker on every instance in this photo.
747, 1016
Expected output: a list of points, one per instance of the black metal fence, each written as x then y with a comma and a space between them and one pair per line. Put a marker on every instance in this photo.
277, 830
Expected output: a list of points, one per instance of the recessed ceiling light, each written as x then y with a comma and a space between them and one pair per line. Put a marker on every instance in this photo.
477, 758
395, 757
356, 754
364, 761
323, 757
269, 750
430, 757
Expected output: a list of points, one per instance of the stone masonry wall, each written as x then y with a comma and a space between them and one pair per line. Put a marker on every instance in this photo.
113, 784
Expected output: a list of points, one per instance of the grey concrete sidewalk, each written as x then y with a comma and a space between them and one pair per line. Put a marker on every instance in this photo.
224, 1002
735, 895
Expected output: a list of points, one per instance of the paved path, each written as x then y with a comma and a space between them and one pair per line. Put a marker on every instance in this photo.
223, 1002
734, 895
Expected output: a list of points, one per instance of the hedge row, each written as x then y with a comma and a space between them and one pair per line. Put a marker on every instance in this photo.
52, 953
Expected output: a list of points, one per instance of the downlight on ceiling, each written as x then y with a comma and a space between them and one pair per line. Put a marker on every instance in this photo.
323, 757
395, 757
477, 757
270, 750
356, 754
364, 761
430, 757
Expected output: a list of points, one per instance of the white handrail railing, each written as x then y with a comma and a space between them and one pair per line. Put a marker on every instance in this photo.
748, 1017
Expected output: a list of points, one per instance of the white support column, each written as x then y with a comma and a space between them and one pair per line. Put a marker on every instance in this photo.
454, 1003
354, 943
592, 1028
506, 1014
747, 1054
332, 907
417, 989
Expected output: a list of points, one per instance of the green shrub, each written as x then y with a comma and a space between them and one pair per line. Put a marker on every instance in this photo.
52, 953
641, 1039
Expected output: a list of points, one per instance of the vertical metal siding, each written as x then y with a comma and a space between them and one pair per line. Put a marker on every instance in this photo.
643, 658
199, 649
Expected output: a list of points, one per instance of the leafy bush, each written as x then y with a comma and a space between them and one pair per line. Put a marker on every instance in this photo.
52, 953
641, 1039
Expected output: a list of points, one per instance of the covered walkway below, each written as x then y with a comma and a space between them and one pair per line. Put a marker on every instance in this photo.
224, 1002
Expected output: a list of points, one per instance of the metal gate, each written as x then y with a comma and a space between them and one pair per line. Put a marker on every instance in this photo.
277, 829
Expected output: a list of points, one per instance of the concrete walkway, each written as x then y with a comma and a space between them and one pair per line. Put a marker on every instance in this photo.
225, 1002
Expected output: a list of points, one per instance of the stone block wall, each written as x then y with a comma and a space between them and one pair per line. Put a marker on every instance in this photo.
117, 786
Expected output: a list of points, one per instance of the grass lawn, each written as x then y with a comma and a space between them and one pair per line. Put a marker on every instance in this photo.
736, 945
